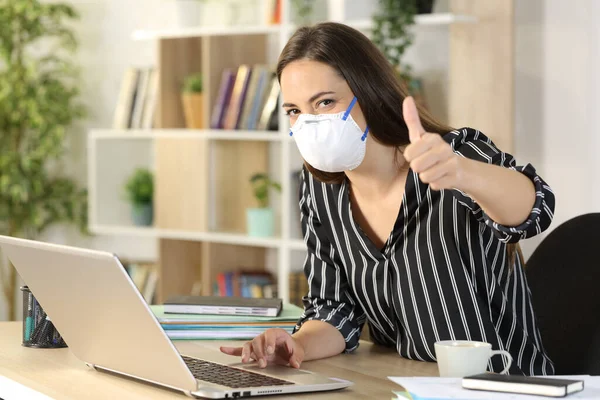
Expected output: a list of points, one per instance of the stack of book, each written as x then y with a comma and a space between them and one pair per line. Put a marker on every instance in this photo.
186, 326
247, 99
254, 284
137, 99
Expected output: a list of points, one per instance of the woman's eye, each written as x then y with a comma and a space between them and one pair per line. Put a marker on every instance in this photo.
325, 103
291, 112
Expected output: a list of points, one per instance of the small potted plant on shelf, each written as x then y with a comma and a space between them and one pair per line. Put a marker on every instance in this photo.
192, 99
303, 10
261, 220
140, 190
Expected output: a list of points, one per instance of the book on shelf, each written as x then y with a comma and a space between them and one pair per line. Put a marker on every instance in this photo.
253, 90
238, 95
140, 98
247, 99
125, 102
260, 98
220, 109
144, 277
268, 118
221, 305
251, 284
298, 287
137, 99
276, 16
151, 100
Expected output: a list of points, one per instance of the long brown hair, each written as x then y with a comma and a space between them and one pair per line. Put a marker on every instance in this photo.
372, 79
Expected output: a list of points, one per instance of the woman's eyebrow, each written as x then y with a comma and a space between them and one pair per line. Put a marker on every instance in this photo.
312, 98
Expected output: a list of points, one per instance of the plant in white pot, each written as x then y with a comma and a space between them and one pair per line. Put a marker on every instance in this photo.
140, 190
261, 220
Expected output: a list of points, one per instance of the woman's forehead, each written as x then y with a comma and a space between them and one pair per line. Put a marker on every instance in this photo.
302, 79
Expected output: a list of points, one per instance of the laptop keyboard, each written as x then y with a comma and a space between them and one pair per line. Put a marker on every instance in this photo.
229, 376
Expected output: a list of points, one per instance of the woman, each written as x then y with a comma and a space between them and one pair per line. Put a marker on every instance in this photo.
409, 224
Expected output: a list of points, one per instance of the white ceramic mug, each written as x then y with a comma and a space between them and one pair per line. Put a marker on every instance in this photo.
460, 358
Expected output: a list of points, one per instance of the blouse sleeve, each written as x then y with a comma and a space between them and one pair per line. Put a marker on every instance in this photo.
472, 144
329, 298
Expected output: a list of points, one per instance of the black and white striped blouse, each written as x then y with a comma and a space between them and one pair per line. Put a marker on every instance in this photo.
443, 273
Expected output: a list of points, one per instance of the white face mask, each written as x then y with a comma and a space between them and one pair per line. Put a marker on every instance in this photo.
330, 142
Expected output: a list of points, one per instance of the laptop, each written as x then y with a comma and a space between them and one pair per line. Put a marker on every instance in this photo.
107, 324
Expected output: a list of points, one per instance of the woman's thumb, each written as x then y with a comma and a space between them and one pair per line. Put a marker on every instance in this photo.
295, 357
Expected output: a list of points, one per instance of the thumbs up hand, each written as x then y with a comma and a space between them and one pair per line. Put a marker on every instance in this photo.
428, 154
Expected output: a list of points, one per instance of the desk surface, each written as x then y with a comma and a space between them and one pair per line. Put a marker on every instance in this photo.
59, 374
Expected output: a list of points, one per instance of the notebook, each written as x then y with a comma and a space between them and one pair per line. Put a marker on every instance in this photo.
223, 305
540, 386
289, 313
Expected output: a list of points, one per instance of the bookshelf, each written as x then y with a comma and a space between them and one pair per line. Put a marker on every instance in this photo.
201, 176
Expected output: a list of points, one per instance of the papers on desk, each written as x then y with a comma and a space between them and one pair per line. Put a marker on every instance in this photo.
11, 390
451, 388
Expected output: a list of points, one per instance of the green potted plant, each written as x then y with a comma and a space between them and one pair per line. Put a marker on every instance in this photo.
140, 191
392, 25
193, 100
303, 10
39, 90
261, 220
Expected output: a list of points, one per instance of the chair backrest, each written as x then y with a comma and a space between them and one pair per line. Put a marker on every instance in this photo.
564, 277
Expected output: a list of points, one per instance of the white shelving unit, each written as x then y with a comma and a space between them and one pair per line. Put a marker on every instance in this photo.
211, 134
212, 237
115, 222
438, 19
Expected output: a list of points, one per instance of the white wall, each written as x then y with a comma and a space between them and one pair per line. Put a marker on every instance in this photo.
556, 101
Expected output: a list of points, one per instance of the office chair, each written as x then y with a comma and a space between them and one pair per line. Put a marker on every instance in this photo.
564, 278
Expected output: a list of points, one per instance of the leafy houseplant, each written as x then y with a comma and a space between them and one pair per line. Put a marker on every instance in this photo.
140, 191
303, 9
193, 101
261, 220
38, 103
391, 32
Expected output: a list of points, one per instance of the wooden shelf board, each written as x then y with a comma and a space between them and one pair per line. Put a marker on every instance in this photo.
172, 33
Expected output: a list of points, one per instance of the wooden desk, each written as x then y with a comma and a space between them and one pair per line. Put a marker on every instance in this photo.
59, 374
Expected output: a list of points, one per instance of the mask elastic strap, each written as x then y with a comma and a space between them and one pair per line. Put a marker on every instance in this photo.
352, 103
364, 136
